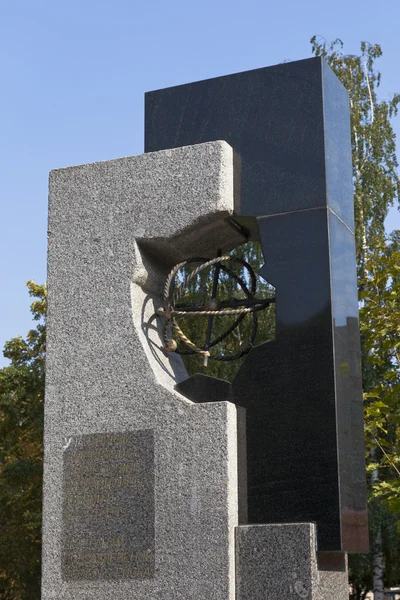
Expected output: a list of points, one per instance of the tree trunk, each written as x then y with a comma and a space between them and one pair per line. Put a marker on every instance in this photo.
377, 550
377, 564
356, 594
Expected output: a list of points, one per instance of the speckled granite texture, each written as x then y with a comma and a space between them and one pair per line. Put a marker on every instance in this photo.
140, 457
280, 561
109, 250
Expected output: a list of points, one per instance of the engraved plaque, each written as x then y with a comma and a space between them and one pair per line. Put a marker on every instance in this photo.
108, 506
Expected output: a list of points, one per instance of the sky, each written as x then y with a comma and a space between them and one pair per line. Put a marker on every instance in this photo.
74, 74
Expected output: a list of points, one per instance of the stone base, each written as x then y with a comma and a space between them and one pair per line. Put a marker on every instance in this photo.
280, 561
141, 494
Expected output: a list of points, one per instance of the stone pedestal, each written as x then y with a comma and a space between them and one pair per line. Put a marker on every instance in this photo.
140, 484
141, 494
280, 561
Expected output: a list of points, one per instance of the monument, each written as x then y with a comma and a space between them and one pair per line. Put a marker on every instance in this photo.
158, 485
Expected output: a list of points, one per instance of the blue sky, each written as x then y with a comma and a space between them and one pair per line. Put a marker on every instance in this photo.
73, 77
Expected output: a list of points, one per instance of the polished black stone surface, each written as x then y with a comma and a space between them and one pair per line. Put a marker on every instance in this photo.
338, 158
201, 388
349, 408
304, 435
289, 125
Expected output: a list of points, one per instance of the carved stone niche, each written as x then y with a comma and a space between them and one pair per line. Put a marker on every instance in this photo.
140, 483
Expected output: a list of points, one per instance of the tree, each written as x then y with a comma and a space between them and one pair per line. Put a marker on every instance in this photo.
375, 176
380, 331
380, 328
376, 188
21, 433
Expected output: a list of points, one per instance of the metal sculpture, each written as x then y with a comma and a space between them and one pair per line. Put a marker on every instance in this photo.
172, 308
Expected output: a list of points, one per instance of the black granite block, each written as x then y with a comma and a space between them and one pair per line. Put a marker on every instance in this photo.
289, 125
338, 159
347, 369
302, 390
279, 119
202, 388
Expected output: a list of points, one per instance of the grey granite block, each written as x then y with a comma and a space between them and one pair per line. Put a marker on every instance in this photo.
333, 580
280, 561
140, 484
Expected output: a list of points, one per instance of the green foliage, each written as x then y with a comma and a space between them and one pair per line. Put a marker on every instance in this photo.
380, 331
21, 432
375, 175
